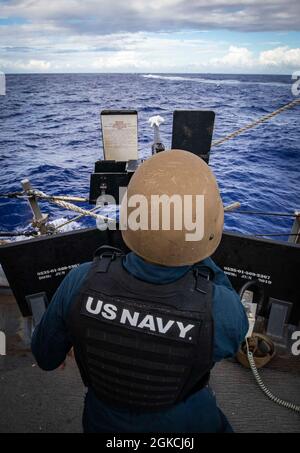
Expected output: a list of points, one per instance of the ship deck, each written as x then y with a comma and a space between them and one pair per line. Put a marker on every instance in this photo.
33, 401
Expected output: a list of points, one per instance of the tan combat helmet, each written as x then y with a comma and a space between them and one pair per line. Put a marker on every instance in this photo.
176, 174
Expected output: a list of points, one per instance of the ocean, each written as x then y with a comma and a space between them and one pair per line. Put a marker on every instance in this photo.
50, 133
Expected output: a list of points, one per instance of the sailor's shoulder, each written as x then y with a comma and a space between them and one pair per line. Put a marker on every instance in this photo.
209, 262
78, 274
207, 267
82, 268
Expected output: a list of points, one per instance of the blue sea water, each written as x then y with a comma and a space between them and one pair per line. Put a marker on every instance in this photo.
50, 133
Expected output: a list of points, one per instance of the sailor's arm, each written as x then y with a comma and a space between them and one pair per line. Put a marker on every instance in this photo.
51, 342
230, 319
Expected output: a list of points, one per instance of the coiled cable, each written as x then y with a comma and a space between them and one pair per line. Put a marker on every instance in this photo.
262, 386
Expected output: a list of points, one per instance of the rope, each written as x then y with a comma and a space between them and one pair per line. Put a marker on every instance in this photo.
68, 206
46, 197
64, 198
256, 123
231, 207
74, 219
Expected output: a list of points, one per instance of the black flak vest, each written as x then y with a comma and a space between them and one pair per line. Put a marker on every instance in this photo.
139, 345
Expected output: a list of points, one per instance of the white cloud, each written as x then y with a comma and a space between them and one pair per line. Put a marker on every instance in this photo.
281, 56
235, 57
27, 66
38, 65
118, 61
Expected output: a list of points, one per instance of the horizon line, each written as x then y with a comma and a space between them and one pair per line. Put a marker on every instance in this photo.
145, 73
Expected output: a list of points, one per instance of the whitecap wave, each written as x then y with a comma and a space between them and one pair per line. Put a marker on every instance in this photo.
217, 82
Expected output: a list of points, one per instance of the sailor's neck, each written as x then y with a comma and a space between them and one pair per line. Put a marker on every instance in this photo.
150, 272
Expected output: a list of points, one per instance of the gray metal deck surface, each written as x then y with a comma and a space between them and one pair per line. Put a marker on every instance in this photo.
33, 401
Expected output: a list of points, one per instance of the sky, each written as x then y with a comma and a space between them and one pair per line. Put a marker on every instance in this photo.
158, 36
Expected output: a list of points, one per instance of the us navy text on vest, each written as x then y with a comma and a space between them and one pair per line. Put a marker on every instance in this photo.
159, 323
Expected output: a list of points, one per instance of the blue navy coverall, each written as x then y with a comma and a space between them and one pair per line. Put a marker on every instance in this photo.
199, 413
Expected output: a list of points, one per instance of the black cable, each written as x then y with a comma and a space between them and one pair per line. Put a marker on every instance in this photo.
279, 214
277, 234
17, 233
12, 195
